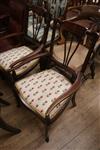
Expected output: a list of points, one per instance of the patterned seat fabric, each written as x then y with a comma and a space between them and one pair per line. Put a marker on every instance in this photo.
10, 56
40, 90
78, 58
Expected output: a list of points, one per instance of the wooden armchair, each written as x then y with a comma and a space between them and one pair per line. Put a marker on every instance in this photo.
13, 56
47, 93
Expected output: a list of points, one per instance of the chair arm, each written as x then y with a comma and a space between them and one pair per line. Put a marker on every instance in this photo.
75, 7
67, 94
12, 35
27, 57
27, 60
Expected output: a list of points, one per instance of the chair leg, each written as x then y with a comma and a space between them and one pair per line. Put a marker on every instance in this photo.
92, 68
73, 100
16, 98
18, 102
46, 133
1, 93
7, 127
3, 102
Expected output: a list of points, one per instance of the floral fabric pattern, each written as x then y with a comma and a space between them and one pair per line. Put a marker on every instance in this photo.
40, 90
10, 56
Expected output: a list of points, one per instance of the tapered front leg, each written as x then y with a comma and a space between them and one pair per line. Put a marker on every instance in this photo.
46, 133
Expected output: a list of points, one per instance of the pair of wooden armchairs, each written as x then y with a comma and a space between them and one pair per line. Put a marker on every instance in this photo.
26, 47
48, 92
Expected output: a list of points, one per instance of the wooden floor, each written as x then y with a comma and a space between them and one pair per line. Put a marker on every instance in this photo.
76, 129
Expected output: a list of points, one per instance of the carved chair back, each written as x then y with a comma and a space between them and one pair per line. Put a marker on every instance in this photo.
61, 81
76, 40
38, 24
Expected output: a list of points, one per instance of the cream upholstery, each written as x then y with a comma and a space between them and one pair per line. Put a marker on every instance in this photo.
10, 56
78, 58
40, 90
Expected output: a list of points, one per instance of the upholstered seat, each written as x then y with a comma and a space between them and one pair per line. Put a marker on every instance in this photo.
35, 91
78, 58
10, 56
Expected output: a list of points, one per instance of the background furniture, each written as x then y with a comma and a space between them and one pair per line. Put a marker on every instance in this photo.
13, 18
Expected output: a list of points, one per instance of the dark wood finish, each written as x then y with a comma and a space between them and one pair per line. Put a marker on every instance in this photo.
86, 14
76, 128
3, 124
71, 33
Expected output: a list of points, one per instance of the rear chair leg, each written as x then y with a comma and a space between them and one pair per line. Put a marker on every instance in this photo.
73, 100
46, 133
7, 127
92, 68
18, 102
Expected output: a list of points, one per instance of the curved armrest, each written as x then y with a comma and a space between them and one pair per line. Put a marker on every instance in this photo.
12, 35
27, 60
75, 7
67, 94
31, 55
